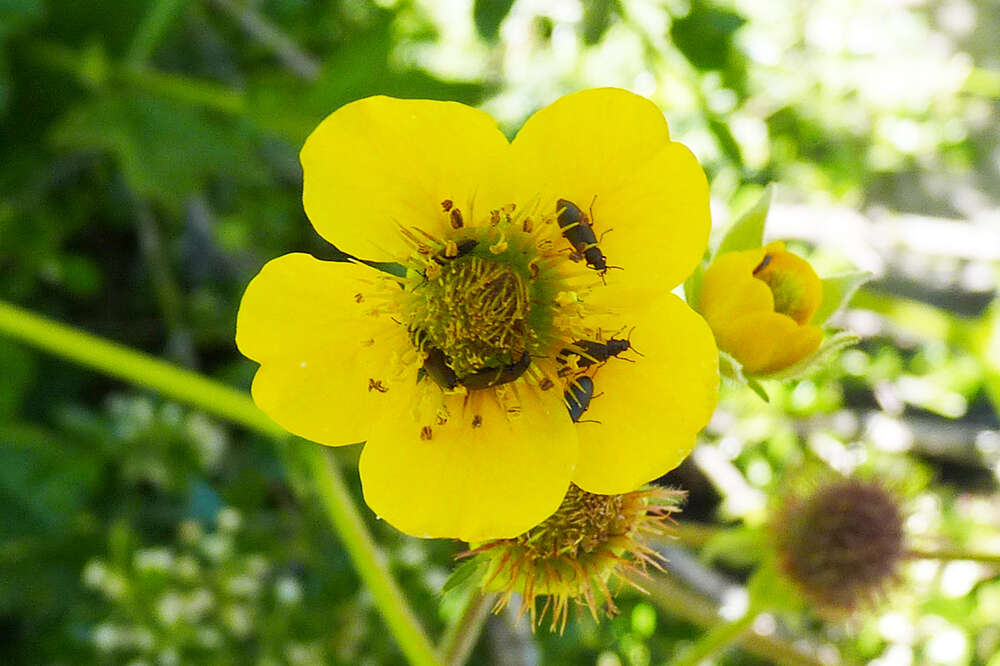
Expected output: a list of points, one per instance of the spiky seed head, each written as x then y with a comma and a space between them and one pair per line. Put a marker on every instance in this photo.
841, 544
589, 544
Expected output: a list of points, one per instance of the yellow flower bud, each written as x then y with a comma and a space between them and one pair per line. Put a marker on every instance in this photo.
759, 303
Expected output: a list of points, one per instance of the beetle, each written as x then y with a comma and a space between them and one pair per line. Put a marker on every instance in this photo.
590, 352
437, 368
578, 397
576, 228
488, 377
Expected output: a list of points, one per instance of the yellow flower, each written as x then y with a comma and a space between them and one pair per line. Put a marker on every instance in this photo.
759, 303
509, 354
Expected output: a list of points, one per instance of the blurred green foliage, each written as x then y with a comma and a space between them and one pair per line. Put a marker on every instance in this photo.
149, 169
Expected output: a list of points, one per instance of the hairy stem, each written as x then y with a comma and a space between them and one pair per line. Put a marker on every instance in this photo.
461, 637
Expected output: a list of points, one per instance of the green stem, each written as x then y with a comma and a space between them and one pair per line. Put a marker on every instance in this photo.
135, 367
714, 640
190, 387
368, 560
953, 554
675, 599
461, 637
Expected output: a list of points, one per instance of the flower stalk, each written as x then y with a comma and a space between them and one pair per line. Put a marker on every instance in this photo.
715, 639
186, 386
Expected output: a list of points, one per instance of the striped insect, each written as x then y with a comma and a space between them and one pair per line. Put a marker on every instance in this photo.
578, 397
577, 229
589, 352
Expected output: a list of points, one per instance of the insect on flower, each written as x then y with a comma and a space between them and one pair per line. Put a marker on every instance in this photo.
455, 367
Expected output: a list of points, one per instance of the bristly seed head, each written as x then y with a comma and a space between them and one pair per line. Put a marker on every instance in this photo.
589, 541
842, 544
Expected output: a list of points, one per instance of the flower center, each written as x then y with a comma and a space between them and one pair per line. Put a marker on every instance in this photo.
476, 313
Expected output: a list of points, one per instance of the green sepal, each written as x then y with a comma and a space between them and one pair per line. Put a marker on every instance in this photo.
747, 232
732, 369
692, 286
823, 356
465, 576
837, 291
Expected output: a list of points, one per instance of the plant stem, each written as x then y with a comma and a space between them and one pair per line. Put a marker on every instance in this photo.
190, 387
461, 637
714, 640
677, 600
368, 560
135, 367
953, 554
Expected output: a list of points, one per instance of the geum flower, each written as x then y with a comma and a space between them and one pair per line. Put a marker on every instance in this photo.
760, 304
529, 338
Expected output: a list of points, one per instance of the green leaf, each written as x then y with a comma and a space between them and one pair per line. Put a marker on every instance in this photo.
18, 375
488, 15
166, 151
747, 232
43, 483
822, 357
837, 291
705, 35
728, 144
597, 17
755, 386
16, 13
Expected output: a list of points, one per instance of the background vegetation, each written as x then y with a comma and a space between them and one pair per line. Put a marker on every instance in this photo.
148, 168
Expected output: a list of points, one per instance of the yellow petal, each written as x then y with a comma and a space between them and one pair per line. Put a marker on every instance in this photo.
768, 341
651, 209
649, 411
496, 480
319, 352
729, 289
380, 162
